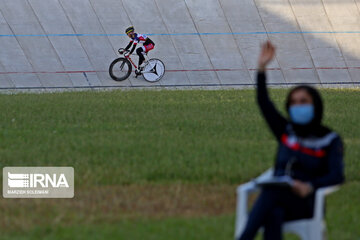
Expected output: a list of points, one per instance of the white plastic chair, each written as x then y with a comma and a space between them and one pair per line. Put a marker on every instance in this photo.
308, 229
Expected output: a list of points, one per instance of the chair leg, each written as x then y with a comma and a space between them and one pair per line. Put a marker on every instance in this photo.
242, 215
317, 232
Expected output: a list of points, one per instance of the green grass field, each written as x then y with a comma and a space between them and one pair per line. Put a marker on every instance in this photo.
156, 164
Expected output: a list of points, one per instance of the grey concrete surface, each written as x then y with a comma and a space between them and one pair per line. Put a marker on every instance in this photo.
204, 43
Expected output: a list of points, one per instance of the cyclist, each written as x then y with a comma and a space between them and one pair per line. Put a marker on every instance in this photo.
136, 38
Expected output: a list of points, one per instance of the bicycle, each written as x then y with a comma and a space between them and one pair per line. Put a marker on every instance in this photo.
121, 68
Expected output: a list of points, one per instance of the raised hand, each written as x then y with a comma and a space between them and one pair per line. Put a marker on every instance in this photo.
266, 55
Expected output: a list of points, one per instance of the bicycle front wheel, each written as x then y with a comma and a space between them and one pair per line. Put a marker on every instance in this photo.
120, 69
154, 70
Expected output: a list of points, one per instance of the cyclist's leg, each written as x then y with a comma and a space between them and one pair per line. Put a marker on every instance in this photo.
140, 51
147, 48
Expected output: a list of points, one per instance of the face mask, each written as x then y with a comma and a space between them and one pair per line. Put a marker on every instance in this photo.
302, 114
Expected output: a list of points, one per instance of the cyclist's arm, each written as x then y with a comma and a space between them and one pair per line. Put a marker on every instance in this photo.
129, 45
133, 48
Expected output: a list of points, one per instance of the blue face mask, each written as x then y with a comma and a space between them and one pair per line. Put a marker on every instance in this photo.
302, 114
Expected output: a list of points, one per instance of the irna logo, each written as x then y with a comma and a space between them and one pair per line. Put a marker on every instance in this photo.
36, 180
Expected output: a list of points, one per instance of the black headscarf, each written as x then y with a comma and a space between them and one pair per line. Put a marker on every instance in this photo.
314, 127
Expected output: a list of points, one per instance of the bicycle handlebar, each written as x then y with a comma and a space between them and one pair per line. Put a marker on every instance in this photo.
123, 51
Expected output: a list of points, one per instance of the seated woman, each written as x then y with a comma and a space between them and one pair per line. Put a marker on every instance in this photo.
308, 152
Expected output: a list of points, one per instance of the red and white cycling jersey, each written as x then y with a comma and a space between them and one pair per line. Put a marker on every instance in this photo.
148, 44
141, 38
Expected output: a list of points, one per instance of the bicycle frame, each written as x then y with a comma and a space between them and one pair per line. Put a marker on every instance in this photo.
131, 61
129, 58
136, 67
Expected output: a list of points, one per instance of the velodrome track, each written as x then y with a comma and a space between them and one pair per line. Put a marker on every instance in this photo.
70, 43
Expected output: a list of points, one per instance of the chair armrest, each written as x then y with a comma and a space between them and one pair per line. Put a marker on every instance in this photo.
320, 195
327, 190
251, 186
246, 188
268, 174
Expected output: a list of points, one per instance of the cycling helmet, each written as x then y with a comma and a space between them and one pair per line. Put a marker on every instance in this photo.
129, 30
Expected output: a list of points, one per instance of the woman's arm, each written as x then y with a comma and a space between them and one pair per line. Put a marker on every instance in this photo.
335, 166
275, 120
333, 177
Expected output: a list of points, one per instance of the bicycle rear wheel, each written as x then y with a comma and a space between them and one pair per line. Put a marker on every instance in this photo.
120, 69
154, 70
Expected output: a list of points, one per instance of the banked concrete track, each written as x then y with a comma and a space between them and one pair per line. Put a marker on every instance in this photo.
70, 43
